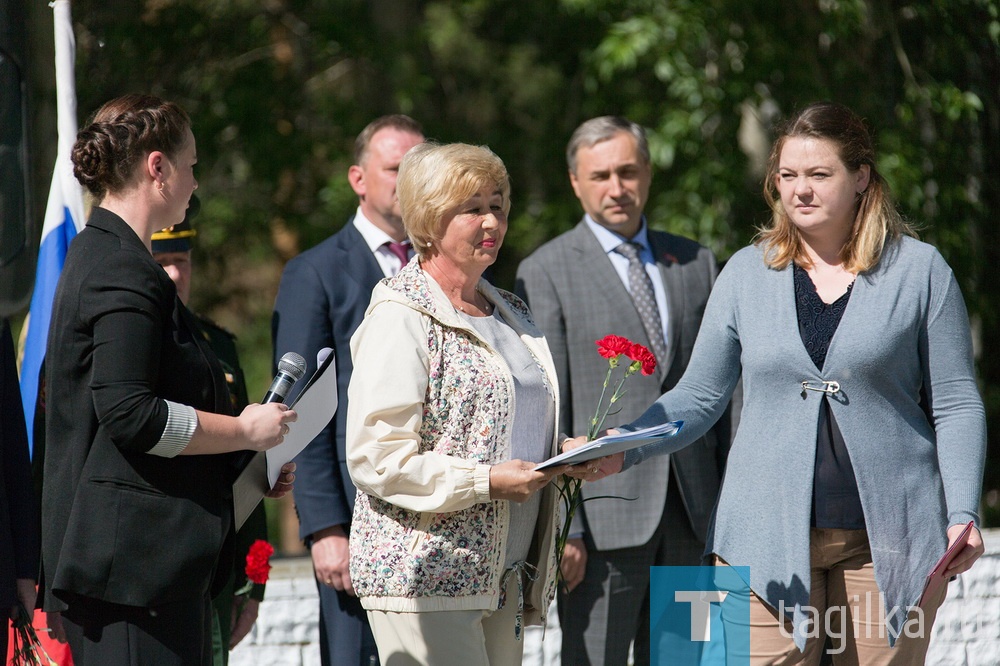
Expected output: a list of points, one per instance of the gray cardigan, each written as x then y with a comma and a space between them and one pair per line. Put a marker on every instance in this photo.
905, 331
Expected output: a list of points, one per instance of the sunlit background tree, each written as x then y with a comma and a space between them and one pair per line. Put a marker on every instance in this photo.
278, 89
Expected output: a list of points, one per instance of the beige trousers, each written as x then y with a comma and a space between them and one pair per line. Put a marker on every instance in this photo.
470, 638
848, 609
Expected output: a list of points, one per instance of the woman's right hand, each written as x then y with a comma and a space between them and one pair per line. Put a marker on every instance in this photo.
518, 480
265, 426
56, 629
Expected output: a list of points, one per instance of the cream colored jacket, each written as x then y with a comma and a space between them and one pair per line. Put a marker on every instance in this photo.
431, 408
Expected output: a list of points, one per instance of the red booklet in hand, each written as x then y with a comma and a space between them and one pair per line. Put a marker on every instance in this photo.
936, 578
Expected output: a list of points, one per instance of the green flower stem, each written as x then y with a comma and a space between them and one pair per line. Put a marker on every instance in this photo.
594, 423
569, 488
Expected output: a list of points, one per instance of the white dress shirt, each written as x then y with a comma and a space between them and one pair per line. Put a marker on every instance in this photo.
376, 240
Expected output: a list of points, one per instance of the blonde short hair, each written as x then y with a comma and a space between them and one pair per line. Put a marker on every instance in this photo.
876, 220
434, 178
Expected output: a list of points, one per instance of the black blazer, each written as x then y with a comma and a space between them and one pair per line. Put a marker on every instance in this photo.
18, 507
322, 299
119, 524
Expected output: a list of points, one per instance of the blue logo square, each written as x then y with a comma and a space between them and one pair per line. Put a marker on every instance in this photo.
699, 616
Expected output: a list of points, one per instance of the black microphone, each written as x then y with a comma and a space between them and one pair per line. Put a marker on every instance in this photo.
291, 368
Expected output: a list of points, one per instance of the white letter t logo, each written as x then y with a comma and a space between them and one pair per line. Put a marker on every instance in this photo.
701, 604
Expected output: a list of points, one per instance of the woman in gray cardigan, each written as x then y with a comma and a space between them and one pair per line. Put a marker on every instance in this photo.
861, 445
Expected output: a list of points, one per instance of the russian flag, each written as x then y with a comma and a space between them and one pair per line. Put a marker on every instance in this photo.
63, 214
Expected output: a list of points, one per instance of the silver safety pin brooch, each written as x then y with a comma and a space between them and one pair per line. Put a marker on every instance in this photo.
828, 387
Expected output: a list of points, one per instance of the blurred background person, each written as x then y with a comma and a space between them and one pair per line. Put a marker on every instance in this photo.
321, 301
19, 537
136, 500
452, 548
233, 616
861, 445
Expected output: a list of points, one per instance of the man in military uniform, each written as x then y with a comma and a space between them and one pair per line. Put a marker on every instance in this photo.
172, 250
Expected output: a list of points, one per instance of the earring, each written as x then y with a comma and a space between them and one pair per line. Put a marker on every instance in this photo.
159, 186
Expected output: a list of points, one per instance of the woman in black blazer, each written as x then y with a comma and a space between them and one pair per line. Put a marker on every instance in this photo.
137, 489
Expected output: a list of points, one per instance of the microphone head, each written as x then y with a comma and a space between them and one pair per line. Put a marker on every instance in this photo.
293, 365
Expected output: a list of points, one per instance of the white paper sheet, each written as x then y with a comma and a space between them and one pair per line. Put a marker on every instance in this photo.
610, 444
316, 404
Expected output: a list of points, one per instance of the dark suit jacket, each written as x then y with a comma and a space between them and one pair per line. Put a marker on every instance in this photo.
119, 524
576, 298
322, 299
18, 507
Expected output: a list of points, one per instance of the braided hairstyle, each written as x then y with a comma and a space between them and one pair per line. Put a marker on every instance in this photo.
121, 134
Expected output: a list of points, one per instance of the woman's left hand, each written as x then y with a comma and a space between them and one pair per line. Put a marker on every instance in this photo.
242, 624
598, 468
965, 558
283, 485
518, 480
26, 592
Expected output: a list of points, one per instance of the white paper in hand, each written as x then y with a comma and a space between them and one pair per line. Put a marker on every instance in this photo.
611, 444
315, 404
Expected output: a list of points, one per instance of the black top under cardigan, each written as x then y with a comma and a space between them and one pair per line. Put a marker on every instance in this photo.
836, 501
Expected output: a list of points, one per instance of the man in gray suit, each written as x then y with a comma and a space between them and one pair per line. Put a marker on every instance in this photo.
612, 274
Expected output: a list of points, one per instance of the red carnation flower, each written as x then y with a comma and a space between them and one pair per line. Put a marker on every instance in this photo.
639, 353
612, 346
259, 561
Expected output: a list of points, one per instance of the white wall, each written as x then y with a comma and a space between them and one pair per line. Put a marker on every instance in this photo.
966, 633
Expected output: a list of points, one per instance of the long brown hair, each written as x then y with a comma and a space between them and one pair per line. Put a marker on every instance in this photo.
876, 220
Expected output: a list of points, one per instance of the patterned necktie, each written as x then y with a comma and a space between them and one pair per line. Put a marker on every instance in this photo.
641, 288
401, 250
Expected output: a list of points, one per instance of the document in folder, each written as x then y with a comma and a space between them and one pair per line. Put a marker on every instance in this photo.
936, 578
315, 405
610, 444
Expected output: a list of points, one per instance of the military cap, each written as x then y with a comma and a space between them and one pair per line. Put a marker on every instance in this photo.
177, 238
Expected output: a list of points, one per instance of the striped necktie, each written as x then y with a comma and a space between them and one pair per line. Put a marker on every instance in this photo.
641, 288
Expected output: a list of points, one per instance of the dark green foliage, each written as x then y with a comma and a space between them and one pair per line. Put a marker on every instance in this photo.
278, 89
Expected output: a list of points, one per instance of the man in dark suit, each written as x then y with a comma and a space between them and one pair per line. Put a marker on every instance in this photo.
612, 274
321, 301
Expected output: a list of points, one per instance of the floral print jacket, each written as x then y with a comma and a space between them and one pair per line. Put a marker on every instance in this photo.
430, 410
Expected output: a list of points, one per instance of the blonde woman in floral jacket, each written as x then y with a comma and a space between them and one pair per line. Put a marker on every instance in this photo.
452, 403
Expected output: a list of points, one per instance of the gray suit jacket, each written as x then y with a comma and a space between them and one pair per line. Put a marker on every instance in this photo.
576, 298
